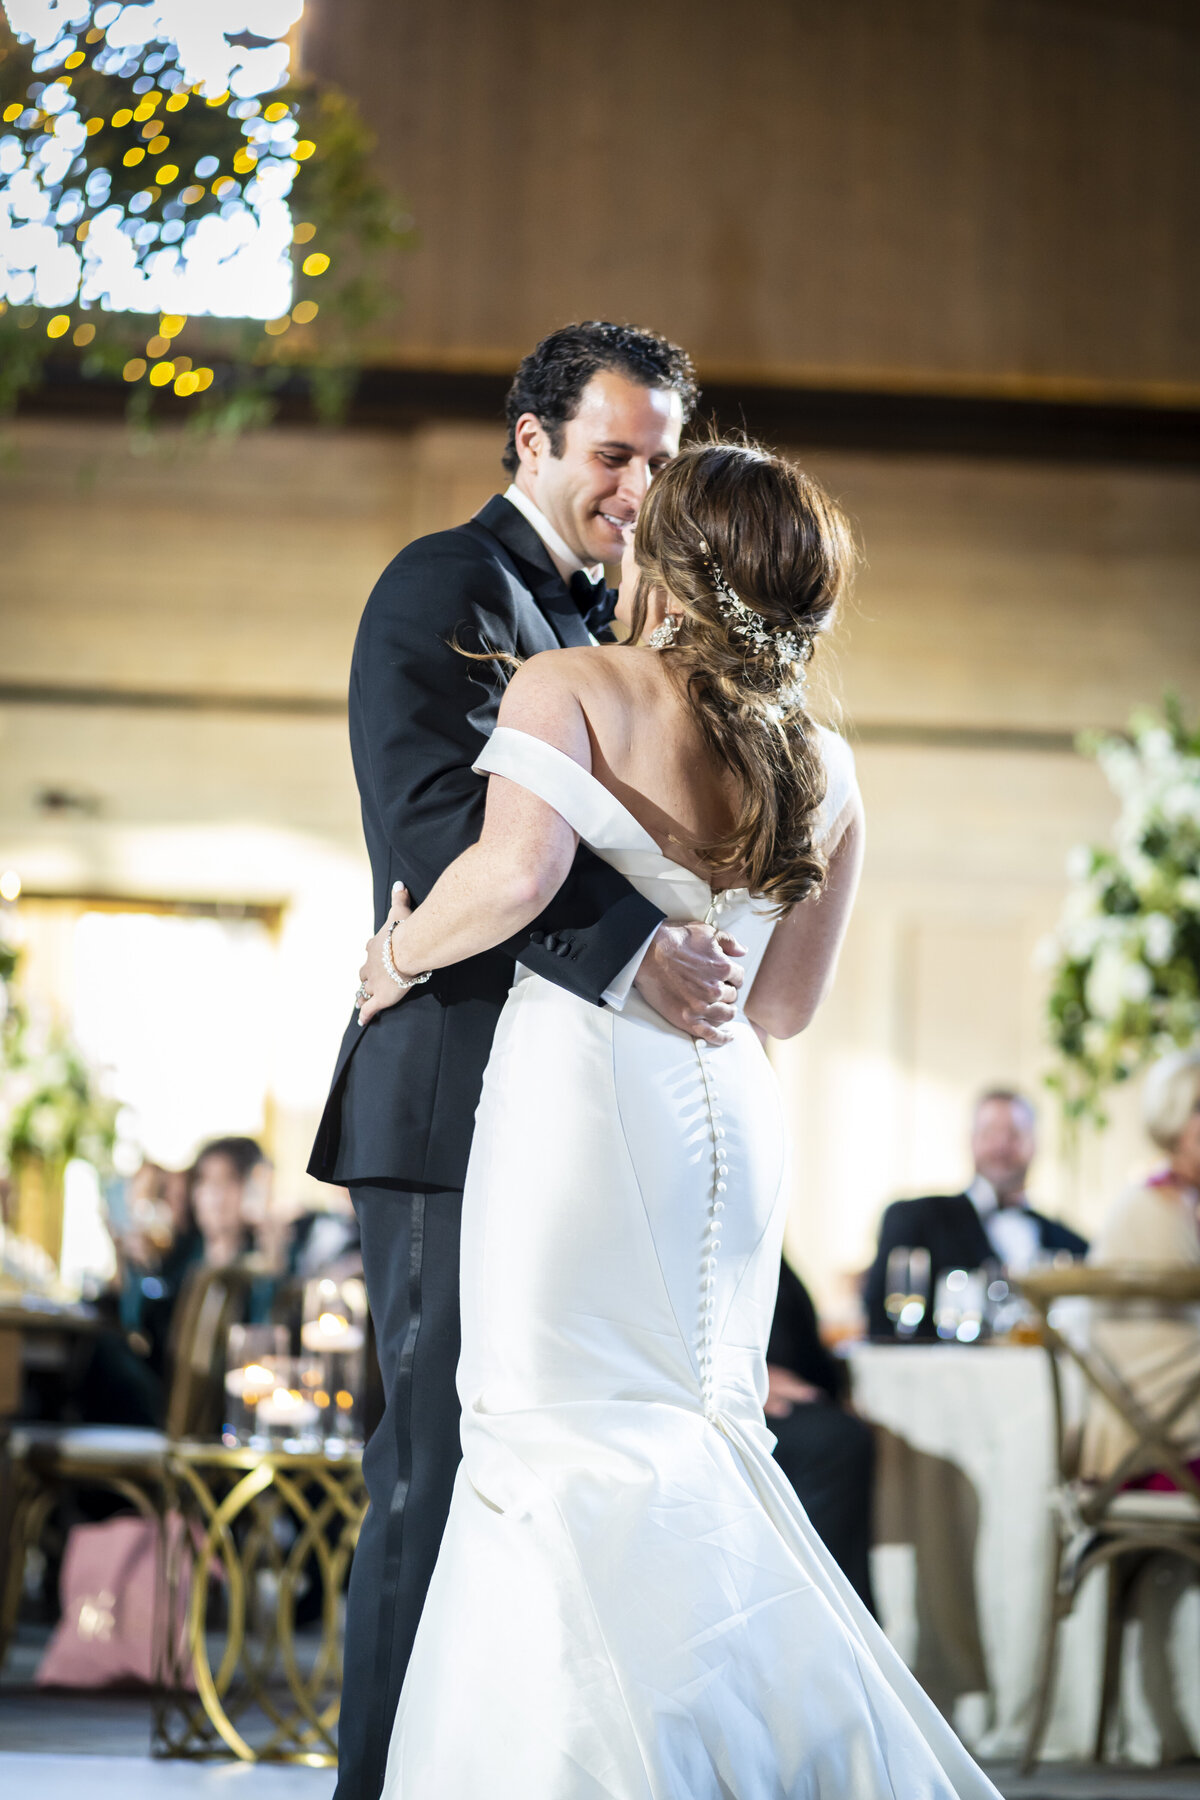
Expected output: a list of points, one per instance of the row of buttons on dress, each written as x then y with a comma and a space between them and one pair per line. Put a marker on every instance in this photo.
716, 1206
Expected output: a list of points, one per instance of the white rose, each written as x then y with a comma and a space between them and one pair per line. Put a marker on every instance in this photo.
1105, 988
1082, 938
1158, 938
1182, 799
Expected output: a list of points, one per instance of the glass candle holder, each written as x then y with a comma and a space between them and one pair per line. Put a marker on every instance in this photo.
250, 1354
288, 1413
334, 1329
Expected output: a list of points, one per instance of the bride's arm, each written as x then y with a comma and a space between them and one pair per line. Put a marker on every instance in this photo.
502, 883
800, 961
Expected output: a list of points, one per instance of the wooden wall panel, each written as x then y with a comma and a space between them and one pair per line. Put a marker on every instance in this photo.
979, 194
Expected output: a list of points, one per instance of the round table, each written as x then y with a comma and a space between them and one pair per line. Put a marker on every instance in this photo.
965, 1438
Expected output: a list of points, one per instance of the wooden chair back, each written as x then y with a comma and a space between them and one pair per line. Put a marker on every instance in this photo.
210, 1301
1155, 1419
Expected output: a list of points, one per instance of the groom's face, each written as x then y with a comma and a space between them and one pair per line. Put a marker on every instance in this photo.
621, 436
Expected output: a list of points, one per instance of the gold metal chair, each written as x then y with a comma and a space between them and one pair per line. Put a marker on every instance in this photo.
1100, 1521
42, 1460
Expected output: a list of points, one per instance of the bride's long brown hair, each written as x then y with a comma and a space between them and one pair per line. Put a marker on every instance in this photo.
786, 550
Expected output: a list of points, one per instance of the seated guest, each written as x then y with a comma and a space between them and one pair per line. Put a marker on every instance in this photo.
826, 1453
990, 1222
230, 1195
220, 1214
1154, 1223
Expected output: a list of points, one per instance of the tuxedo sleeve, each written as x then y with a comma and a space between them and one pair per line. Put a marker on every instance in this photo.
423, 711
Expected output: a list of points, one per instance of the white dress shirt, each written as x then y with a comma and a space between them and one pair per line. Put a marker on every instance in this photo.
566, 562
561, 555
1011, 1232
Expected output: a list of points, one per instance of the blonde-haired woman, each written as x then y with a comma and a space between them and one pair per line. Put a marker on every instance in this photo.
1156, 1223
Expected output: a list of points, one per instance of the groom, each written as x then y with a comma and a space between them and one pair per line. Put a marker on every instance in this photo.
593, 413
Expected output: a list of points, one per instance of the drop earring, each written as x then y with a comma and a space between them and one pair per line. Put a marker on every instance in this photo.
664, 635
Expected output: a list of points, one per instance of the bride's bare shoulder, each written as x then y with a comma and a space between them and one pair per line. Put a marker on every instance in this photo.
544, 699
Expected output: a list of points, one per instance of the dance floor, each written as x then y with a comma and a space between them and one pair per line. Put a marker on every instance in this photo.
57, 1746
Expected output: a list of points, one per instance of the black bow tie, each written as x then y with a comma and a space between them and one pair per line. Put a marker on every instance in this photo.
595, 601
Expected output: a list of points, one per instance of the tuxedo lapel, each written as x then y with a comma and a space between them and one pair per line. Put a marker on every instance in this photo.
967, 1241
535, 567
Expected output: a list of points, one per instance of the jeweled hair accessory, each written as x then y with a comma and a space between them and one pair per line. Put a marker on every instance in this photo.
744, 622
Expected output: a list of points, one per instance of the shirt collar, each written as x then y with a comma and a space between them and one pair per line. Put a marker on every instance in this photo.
982, 1196
563, 558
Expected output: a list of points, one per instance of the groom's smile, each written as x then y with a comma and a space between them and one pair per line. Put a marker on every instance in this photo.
591, 482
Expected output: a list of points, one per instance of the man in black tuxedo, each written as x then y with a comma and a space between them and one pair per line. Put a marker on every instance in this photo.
594, 412
991, 1221
826, 1452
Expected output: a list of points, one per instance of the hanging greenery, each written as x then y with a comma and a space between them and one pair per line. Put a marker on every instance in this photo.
1125, 961
143, 218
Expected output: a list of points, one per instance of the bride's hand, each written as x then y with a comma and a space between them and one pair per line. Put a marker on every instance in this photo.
381, 990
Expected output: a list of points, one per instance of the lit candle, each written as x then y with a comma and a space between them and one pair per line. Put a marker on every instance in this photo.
283, 1407
330, 1331
248, 1382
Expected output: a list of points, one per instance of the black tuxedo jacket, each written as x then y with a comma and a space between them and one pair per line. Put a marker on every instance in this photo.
405, 1087
948, 1226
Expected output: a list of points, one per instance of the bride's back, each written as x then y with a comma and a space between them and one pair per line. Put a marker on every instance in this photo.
649, 749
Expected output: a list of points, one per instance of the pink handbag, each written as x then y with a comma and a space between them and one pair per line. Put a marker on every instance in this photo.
110, 1595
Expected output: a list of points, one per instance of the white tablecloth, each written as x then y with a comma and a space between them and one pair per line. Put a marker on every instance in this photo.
966, 1462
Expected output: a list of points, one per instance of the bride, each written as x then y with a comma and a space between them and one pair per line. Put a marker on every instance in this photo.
629, 1603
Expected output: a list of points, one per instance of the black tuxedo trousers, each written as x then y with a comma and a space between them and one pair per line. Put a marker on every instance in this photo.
410, 1260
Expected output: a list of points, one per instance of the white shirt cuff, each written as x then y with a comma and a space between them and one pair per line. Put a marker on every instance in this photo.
617, 991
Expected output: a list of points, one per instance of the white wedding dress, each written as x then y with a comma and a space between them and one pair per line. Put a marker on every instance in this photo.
630, 1603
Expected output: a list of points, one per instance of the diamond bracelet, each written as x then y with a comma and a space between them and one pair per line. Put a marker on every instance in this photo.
404, 982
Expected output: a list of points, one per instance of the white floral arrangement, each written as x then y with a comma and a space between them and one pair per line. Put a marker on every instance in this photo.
52, 1106
1125, 959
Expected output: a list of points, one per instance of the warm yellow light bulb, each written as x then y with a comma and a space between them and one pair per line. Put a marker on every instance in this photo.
75, 59
58, 326
10, 885
303, 150
134, 369
304, 233
93, 126
167, 172
83, 334
176, 102
162, 373
171, 324
13, 112
305, 312
132, 158
122, 117
316, 264
276, 111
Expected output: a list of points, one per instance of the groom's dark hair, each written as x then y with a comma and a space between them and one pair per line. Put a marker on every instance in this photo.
552, 377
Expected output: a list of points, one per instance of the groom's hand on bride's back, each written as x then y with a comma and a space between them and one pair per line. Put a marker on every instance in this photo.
690, 977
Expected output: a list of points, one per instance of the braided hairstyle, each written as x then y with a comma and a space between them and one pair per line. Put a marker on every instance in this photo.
733, 513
